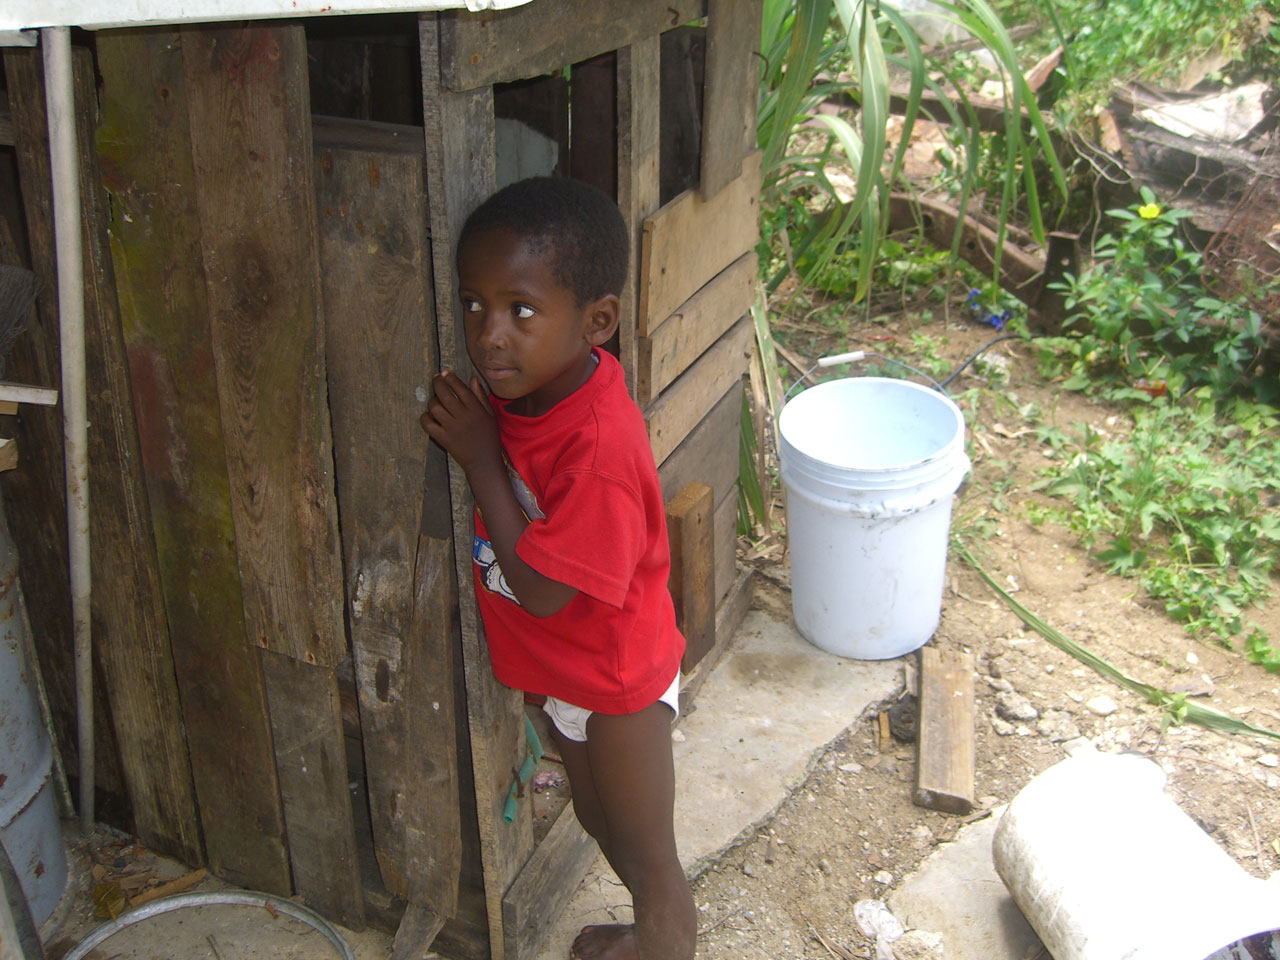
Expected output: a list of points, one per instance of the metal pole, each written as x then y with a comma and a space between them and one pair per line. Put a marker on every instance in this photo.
64, 160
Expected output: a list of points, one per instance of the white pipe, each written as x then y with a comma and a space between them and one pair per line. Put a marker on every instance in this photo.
1106, 866
64, 161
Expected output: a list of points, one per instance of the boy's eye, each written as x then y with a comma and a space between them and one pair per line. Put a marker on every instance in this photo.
523, 311
470, 306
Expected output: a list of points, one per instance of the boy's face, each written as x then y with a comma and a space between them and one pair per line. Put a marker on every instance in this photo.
526, 334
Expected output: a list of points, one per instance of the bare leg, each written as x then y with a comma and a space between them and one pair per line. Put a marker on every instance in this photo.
623, 786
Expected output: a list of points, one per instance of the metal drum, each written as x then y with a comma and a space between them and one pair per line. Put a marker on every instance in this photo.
29, 824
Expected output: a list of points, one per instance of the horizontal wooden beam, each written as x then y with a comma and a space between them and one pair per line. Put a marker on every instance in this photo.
690, 240
673, 416
494, 46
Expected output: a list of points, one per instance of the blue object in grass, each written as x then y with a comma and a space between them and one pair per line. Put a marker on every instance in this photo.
521, 779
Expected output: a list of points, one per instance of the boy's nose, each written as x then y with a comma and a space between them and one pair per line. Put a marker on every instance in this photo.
491, 333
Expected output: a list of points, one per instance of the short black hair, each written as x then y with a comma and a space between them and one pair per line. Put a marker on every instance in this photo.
582, 227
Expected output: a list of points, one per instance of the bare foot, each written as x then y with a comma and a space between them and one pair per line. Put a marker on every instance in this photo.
605, 941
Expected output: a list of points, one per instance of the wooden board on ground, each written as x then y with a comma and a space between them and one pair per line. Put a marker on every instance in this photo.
131, 631
311, 762
729, 91
945, 749
710, 453
638, 121
477, 49
690, 519
165, 315
256, 200
459, 134
673, 416
695, 325
375, 266
545, 885
690, 240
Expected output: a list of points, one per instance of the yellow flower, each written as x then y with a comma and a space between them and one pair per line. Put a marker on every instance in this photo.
1149, 211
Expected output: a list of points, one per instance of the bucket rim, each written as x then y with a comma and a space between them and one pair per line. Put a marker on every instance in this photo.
944, 452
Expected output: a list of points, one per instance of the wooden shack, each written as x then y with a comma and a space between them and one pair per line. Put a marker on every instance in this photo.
292, 684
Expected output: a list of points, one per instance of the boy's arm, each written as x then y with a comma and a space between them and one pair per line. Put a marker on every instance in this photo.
461, 421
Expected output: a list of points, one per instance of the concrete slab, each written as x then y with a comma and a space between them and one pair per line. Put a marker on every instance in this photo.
957, 893
762, 717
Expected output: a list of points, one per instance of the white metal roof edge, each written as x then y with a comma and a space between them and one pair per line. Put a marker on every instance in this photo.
19, 15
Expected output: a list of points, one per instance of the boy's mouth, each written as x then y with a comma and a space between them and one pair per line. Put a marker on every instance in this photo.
497, 372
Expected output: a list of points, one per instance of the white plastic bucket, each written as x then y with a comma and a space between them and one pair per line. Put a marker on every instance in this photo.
870, 466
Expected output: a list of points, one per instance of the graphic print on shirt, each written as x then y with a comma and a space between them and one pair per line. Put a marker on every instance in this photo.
482, 550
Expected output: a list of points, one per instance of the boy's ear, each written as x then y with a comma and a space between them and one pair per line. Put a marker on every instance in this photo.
602, 319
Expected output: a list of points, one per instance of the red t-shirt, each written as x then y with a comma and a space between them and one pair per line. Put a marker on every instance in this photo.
584, 474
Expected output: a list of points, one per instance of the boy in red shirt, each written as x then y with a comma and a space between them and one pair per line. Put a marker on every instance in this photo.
571, 556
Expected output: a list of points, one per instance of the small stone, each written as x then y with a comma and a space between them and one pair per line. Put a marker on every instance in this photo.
678, 736
998, 683
1101, 705
1057, 726
884, 877
1023, 730
921, 832
918, 945
1269, 760
850, 768
825, 866
987, 802
1014, 706
1192, 658
1079, 745
1002, 727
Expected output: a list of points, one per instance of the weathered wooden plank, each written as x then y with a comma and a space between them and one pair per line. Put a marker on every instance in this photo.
725, 547
684, 54
433, 830
638, 119
545, 885
945, 749
690, 240
252, 154
477, 49
311, 762
375, 265
690, 519
418, 928
143, 146
460, 173
682, 406
593, 144
710, 453
132, 634
696, 325
729, 91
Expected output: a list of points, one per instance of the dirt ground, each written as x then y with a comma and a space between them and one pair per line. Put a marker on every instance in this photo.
852, 831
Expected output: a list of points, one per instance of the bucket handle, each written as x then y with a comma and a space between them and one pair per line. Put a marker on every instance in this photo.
854, 356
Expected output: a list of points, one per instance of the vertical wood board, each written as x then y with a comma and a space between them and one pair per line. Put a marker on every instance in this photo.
637, 105
144, 150
375, 266
477, 49
945, 748
690, 518
131, 634
252, 153
725, 548
593, 143
729, 91
311, 762
673, 416
696, 325
459, 131
690, 240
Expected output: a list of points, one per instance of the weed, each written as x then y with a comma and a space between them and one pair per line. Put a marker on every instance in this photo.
1183, 503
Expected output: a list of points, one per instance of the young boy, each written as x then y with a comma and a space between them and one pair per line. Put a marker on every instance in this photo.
571, 556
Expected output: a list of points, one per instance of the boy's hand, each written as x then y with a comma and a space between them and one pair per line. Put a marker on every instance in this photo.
460, 419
